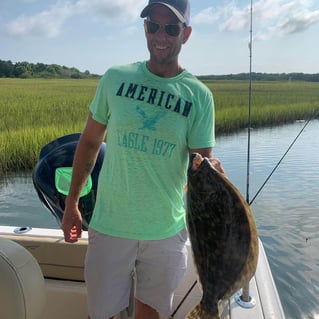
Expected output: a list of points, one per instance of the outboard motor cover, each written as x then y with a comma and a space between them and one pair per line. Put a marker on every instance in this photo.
52, 177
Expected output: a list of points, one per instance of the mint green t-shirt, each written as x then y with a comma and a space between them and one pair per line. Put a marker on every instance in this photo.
151, 123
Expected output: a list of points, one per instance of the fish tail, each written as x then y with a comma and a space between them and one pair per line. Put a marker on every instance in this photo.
199, 312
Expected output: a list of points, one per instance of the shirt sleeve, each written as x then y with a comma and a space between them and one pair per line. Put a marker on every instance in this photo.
99, 106
202, 127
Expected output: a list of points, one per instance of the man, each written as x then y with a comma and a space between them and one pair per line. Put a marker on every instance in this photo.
155, 114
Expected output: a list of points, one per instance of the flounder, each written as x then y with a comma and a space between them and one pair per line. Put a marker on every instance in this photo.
223, 236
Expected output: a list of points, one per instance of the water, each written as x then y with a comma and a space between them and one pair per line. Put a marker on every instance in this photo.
19, 203
286, 209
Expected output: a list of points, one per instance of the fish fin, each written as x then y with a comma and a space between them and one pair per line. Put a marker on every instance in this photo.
199, 312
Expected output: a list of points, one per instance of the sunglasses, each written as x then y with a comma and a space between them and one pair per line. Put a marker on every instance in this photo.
172, 30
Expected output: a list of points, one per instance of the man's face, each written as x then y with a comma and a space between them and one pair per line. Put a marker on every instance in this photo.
164, 48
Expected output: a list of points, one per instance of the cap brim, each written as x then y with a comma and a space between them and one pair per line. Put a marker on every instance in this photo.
147, 9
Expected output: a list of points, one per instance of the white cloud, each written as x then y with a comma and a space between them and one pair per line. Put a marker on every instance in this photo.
49, 22
294, 20
300, 22
229, 17
206, 16
237, 19
125, 10
46, 23
271, 18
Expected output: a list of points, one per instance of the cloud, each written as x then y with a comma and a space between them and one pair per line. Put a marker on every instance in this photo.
125, 10
238, 19
228, 17
49, 22
300, 22
271, 18
294, 19
46, 23
206, 16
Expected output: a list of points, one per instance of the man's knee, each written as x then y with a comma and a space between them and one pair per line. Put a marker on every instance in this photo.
144, 311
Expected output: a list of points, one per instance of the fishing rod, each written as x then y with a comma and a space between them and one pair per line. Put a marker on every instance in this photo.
249, 127
182, 301
284, 155
244, 299
250, 45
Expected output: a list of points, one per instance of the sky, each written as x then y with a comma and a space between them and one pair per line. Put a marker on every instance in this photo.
93, 35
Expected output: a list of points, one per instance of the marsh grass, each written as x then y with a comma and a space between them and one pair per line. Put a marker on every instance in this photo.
273, 103
33, 112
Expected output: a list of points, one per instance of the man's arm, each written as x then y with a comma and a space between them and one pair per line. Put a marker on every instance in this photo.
84, 160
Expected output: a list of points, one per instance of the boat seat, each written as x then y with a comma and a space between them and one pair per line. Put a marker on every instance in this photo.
22, 287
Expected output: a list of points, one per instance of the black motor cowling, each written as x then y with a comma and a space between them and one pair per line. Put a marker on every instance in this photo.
57, 156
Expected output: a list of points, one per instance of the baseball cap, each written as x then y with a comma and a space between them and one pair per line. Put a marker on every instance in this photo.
181, 8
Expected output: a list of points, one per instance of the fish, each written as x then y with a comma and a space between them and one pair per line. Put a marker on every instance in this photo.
223, 236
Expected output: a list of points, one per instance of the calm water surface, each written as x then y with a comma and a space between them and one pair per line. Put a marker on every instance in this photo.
286, 210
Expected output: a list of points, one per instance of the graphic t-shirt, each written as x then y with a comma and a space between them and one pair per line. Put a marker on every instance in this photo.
151, 123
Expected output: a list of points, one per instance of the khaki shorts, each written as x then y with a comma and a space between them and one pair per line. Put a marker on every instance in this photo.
159, 266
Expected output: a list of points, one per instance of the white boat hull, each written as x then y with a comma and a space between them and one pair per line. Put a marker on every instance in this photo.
62, 265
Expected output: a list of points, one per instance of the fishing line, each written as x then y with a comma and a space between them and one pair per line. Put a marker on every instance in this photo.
250, 45
287, 151
182, 301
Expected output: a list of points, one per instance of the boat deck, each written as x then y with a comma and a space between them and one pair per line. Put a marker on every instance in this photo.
62, 265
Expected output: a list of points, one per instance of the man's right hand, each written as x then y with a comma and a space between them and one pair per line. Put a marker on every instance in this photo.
72, 225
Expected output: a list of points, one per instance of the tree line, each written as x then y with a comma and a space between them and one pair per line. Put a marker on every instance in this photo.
41, 70
264, 77
26, 70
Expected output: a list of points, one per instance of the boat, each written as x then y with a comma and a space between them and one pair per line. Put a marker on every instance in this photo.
44, 275
62, 295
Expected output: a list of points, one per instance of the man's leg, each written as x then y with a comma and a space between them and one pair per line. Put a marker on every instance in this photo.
108, 273
143, 311
160, 267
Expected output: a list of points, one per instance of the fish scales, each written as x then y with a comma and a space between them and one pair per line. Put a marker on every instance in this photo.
223, 236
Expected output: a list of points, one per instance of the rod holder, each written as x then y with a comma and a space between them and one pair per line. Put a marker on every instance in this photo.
244, 299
